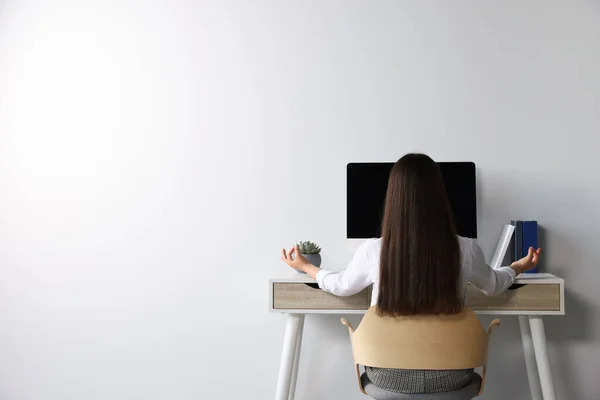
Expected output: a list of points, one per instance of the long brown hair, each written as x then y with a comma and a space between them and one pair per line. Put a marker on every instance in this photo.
420, 254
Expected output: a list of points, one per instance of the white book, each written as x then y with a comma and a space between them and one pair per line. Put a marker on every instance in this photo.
503, 244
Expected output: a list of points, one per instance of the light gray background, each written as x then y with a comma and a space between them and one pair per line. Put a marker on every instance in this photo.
155, 156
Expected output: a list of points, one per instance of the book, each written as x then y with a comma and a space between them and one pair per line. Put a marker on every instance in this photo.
530, 239
503, 244
518, 240
512, 247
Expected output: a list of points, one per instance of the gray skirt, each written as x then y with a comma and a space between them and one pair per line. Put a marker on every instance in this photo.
414, 381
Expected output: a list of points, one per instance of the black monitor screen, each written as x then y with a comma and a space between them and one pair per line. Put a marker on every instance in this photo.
365, 195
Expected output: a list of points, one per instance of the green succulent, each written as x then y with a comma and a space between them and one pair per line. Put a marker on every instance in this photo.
308, 247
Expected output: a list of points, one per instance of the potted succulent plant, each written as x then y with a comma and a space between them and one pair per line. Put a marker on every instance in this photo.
311, 252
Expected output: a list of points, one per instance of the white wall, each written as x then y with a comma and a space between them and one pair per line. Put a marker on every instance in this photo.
155, 156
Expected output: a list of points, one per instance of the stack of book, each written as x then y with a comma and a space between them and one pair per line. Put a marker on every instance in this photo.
525, 236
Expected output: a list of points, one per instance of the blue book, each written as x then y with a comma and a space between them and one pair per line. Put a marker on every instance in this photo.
530, 238
518, 240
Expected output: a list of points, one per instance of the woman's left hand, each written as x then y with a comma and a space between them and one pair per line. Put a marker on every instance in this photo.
294, 259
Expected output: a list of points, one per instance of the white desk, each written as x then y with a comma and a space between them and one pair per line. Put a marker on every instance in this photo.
540, 295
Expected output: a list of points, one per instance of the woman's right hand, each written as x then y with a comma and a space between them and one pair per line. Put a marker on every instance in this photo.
294, 259
528, 262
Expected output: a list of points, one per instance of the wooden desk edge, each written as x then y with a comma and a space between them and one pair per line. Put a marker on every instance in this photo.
521, 279
359, 312
551, 279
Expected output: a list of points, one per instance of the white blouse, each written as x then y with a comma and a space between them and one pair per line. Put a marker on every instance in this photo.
363, 271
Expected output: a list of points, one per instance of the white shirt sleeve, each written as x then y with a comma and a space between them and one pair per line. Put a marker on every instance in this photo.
490, 281
352, 280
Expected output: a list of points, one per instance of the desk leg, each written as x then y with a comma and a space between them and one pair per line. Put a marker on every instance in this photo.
297, 358
541, 355
287, 357
530, 363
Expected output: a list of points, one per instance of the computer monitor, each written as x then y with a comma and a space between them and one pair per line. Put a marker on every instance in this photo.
366, 189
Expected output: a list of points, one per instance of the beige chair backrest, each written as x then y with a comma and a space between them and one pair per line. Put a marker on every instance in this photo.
420, 342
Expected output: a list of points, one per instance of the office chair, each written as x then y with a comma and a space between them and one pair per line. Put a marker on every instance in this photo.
423, 342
